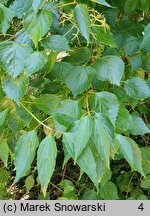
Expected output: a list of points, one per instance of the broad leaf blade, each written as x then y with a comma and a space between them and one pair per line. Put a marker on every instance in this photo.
56, 43
87, 164
76, 140
6, 17
103, 136
105, 103
79, 56
37, 25
137, 88
46, 160
124, 120
110, 68
48, 103
12, 57
82, 133
20, 7
24, 153
138, 126
83, 19
68, 141
3, 115
103, 36
4, 151
146, 40
78, 78
102, 2
109, 191
37, 4
15, 88
131, 152
130, 7
70, 108
35, 62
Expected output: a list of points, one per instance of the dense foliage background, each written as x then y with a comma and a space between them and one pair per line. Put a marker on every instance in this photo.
74, 99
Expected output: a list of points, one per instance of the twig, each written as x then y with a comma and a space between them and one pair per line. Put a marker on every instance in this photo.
41, 123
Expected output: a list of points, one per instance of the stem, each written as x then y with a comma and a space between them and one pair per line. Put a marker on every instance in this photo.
10, 35
43, 4
87, 105
129, 185
70, 29
41, 123
56, 187
63, 5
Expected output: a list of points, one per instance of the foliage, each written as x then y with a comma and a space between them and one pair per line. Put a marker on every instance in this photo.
75, 99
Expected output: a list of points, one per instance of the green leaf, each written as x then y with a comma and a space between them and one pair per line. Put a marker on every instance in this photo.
82, 133
124, 120
145, 5
136, 61
146, 160
102, 2
46, 160
37, 25
35, 62
103, 136
71, 108
15, 122
3, 116
62, 122
127, 122
37, 4
51, 60
109, 191
4, 175
15, 88
20, 7
76, 140
137, 88
132, 45
109, 68
130, 7
146, 40
87, 164
69, 190
29, 182
105, 103
48, 103
103, 36
78, 78
79, 56
12, 57
6, 16
131, 152
83, 20
4, 151
146, 62
24, 153
23, 38
145, 183
56, 43
138, 126
90, 195
68, 141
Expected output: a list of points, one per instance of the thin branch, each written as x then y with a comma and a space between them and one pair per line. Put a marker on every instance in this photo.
40, 122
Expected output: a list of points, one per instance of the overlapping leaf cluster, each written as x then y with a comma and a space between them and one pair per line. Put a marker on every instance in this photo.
78, 71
